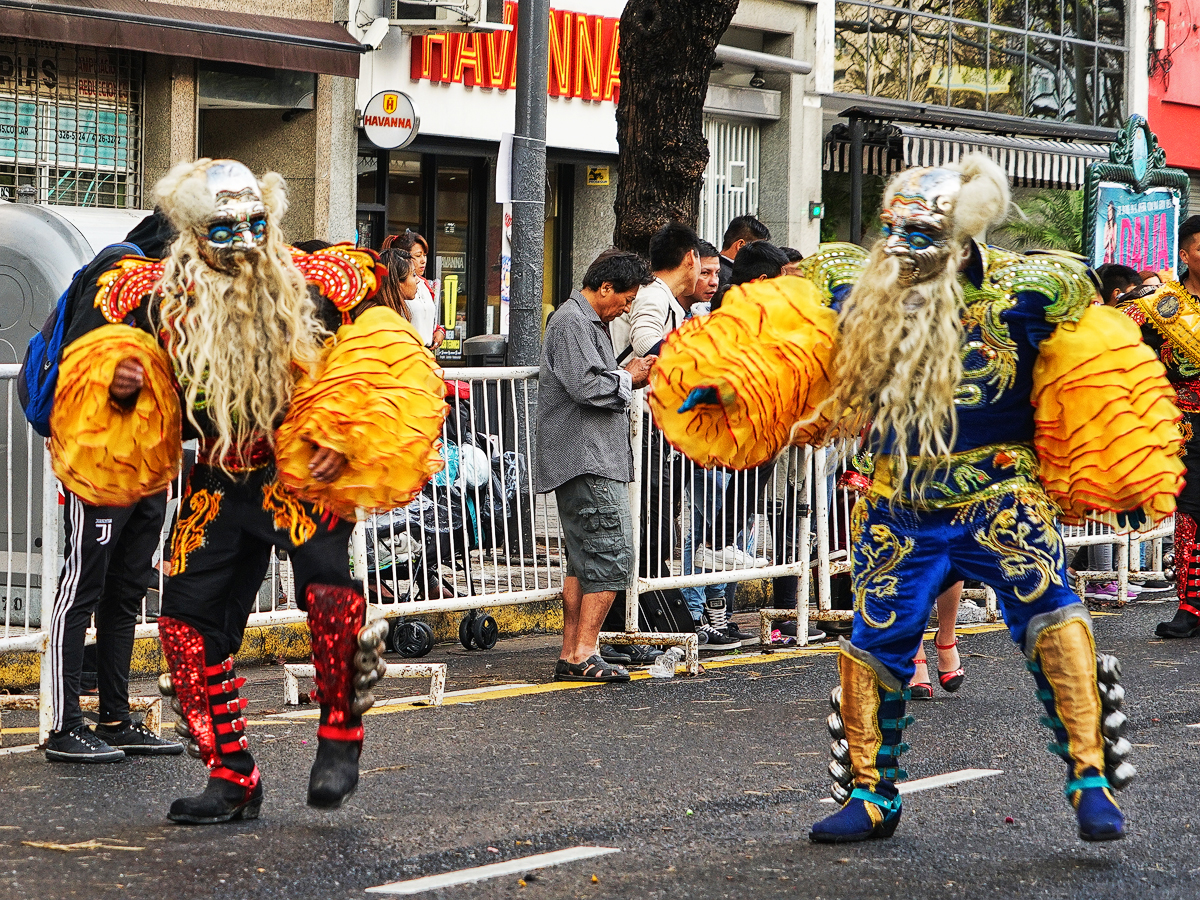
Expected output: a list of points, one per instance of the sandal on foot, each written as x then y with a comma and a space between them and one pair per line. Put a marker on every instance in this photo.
919, 690
591, 669
951, 681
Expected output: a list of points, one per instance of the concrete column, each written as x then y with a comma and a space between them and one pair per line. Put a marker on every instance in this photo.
170, 116
336, 154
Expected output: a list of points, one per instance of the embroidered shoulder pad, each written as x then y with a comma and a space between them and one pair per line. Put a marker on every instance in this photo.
344, 275
832, 266
1064, 281
1175, 314
125, 285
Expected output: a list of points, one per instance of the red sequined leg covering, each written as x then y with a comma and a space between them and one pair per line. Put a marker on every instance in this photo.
206, 699
346, 658
335, 615
1187, 564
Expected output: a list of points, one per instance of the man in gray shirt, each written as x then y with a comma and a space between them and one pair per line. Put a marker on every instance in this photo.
584, 455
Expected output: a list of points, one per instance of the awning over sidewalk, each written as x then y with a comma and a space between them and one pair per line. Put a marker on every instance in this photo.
1029, 162
268, 41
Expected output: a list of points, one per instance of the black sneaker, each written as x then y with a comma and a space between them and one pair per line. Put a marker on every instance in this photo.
715, 637
639, 654
81, 745
731, 629
611, 654
138, 740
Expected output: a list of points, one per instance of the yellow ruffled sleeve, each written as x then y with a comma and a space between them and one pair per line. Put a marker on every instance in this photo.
1104, 421
105, 453
767, 353
379, 400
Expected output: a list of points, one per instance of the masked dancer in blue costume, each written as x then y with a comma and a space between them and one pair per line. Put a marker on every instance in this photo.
996, 400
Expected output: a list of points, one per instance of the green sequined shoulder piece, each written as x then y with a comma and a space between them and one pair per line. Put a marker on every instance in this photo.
832, 266
1065, 282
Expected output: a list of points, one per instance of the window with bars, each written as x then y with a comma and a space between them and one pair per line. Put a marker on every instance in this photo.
731, 177
1063, 60
70, 124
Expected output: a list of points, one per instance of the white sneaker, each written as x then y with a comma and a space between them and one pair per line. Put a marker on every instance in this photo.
729, 558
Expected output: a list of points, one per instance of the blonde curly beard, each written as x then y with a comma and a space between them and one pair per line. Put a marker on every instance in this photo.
234, 338
899, 361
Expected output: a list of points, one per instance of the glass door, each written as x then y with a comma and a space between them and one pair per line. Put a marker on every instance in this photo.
452, 229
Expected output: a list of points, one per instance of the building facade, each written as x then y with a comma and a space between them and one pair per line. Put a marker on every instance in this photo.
1040, 85
97, 102
444, 184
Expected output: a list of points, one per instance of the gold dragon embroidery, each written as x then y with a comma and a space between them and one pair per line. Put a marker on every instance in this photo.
288, 512
873, 564
1007, 535
189, 532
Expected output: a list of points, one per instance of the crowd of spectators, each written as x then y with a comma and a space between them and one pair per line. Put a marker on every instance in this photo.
599, 347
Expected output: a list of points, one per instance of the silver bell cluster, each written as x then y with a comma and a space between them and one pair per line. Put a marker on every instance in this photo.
839, 768
369, 665
1113, 722
166, 687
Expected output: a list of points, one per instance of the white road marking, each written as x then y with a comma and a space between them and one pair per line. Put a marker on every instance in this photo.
934, 781
495, 870
22, 748
403, 701
1197, 725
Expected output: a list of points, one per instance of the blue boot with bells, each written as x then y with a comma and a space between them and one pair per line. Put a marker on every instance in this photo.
1083, 696
867, 724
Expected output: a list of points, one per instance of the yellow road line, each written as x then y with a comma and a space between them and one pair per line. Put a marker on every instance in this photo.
505, 693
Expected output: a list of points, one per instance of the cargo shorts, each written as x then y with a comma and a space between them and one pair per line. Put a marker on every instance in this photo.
594, 512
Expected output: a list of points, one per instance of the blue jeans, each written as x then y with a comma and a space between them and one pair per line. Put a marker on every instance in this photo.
706, 492
901, 559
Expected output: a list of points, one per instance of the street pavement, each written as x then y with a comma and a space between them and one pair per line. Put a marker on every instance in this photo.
706, 786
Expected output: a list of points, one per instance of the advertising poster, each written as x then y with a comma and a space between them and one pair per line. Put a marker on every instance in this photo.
1136, 229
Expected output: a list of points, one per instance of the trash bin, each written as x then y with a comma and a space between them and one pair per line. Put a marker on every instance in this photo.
486, 350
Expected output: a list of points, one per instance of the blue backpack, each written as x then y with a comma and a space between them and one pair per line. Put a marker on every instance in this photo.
39, 370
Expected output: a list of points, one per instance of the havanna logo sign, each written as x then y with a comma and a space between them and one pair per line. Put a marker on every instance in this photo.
583, 56
389, 119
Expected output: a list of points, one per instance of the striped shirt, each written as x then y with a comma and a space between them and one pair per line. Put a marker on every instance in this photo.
583, 401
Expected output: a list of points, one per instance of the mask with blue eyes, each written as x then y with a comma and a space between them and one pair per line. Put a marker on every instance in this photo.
239, 220
917, 223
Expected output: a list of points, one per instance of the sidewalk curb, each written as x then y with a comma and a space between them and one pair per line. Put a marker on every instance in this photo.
19, 670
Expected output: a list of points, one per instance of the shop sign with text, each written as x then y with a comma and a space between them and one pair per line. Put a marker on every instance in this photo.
583, 56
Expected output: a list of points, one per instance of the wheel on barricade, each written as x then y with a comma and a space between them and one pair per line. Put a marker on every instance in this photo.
465, 637
485, 631
410, 640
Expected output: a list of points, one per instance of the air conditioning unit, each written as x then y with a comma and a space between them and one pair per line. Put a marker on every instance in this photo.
440, 16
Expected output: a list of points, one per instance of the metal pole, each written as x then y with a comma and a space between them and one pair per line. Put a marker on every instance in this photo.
529, 183
857, 132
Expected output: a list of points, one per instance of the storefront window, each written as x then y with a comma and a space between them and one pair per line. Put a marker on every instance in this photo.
69, 124
450, 255
404, 192
1035, 58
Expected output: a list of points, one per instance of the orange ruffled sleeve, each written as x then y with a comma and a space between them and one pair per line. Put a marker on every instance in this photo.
1104, 417
104, 453
768, 352
379, 399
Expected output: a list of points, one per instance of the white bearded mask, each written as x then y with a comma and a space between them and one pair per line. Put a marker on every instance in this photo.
917, 224
239, 219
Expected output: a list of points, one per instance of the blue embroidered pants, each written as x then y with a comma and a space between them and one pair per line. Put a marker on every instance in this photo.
902, 558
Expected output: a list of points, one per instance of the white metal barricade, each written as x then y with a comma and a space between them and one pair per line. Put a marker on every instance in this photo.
478, 536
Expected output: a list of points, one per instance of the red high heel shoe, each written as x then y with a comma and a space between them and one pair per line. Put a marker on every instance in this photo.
950, 681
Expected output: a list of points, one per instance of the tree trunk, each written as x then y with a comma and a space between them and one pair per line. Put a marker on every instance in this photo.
666, 54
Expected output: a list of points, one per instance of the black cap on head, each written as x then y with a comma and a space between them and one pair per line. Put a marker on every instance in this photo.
153, 235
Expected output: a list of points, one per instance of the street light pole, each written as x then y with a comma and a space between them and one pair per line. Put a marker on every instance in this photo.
529, 184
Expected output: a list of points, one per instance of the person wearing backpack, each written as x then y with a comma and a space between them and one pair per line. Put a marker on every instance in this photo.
108, 556
223, 342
